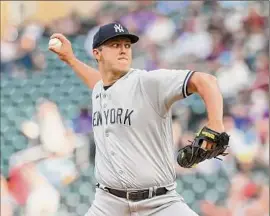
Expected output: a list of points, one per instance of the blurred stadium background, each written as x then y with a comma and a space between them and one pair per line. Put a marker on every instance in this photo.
47, 148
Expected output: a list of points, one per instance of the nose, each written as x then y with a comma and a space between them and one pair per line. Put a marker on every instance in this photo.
123, 49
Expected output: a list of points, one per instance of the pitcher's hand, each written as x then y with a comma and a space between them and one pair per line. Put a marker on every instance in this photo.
65, 52
216, 126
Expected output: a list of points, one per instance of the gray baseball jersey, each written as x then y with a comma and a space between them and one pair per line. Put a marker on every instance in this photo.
133, 130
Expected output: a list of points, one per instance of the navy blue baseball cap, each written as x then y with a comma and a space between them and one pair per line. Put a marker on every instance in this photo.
112, 30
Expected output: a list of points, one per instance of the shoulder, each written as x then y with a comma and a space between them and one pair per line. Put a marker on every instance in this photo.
164, 71
141, 72
162, 74
136, 72
96, 89
142, 75
97, 86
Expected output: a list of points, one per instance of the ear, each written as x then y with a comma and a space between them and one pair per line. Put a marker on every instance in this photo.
96, 53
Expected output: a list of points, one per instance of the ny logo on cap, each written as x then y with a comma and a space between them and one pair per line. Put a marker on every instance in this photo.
118, 28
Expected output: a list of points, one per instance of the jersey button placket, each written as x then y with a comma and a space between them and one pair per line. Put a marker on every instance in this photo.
112, 153
104, 96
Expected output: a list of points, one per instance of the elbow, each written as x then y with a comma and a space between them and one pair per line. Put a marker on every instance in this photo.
212, 82
208, 79
209, 85
200, 81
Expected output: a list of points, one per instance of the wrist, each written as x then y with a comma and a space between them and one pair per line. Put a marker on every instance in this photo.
215, 121
71, 61
216, 125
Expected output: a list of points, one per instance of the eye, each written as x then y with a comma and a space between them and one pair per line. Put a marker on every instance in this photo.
128, 46
115, 45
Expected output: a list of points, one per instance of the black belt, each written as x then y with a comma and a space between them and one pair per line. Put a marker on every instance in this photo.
135, 195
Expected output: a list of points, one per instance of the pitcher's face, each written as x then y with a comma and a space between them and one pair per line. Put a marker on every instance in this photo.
115, 55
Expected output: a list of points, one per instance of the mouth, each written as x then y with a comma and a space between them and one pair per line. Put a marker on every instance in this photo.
123, 58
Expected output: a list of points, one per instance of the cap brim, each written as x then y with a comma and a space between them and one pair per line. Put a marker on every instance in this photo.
133, 38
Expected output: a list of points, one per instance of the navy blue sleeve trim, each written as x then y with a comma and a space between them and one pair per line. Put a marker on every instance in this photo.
185, 84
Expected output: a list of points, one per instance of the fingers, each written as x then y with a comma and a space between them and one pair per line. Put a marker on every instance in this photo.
53, 49
208, 146
204, 145
59, 36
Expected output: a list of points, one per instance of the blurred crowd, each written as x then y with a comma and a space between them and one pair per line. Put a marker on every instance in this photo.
228, 39
57, 151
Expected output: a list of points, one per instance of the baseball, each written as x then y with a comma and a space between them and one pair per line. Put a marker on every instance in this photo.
30, 129
55, 43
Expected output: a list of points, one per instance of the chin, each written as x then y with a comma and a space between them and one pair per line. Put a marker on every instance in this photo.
126, 69
122, 69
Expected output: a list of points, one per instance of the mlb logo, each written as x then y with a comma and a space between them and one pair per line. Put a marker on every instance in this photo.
118, 28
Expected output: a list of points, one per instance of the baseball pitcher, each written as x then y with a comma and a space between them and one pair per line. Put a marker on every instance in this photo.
132, 126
